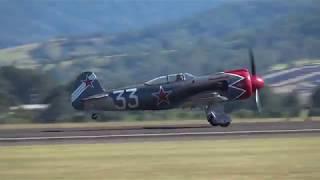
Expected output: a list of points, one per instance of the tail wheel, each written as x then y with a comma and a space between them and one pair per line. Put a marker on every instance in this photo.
94, 116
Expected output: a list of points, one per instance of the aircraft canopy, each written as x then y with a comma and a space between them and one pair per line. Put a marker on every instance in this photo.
170, 78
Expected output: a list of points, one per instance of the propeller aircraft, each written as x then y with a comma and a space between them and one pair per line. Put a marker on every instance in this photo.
171, 91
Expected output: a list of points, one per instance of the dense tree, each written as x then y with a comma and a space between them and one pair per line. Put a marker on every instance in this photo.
26, 86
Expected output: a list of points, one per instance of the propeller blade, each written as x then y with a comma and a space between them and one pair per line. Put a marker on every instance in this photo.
252, 62
258, 103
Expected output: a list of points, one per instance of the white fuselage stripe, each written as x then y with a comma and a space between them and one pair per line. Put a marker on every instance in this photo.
163, 134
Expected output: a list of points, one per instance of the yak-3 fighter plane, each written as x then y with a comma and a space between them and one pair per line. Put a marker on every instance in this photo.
171, 91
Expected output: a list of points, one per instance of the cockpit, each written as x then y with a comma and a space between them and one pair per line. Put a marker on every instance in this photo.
170, 78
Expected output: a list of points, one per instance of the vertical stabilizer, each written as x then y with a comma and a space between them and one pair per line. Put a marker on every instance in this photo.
86, 85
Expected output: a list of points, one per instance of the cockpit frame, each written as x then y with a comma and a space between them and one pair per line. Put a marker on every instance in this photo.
170, 78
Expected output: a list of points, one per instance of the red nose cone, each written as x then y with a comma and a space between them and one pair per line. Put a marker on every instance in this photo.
257, 82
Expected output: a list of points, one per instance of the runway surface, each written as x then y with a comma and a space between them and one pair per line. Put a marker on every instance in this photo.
157, 133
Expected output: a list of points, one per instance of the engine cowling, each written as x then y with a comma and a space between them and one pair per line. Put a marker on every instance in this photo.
242, 85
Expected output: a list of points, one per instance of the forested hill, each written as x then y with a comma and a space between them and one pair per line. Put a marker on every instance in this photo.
279, 31
25, 21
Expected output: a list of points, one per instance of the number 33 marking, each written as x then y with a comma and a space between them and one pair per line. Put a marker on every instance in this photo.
123, 100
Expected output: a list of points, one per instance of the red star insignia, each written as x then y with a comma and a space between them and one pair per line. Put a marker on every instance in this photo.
88, 82
162, 96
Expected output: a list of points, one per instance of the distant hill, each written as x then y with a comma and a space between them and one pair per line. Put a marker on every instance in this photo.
25, 21
280, 32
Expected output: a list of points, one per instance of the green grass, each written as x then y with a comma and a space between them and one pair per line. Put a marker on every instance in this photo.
269, 158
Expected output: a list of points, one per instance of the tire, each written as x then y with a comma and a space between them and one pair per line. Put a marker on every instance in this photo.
225, 124
94, 116
210, 118
214, 124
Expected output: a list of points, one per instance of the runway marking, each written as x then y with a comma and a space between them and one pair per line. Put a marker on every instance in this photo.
160, 135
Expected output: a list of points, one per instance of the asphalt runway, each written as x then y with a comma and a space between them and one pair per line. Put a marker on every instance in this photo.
157, 133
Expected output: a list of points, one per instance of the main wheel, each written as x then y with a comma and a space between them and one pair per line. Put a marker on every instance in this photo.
94, 116
225, 124
211, 119
213, 124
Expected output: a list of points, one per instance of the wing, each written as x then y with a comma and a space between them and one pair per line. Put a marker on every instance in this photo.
204, 99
